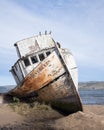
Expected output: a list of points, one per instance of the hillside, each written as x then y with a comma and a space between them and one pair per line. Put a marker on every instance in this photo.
92, 85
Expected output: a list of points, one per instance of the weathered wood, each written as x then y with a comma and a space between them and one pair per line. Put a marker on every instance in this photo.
54, 78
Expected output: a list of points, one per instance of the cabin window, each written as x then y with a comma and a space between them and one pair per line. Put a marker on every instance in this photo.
34, 59
41, 56
26, 62
48, 53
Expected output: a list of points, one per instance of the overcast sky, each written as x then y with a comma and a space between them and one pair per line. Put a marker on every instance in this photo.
77, 24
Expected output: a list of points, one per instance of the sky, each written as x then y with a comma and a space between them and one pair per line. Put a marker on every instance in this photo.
77, 24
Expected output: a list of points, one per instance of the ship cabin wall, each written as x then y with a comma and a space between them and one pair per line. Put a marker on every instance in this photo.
26, 64
17, 72
34, 44
31, 61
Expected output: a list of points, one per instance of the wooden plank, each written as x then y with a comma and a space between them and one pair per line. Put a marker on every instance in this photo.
43, 74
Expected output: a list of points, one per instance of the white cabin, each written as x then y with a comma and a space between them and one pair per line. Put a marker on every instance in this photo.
31, 52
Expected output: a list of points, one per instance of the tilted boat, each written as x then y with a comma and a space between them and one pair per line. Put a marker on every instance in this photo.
47, 70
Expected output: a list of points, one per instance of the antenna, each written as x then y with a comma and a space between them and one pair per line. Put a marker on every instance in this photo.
45, 32
50, 32
40, 33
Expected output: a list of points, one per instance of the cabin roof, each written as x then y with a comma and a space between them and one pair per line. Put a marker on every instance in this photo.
34, 44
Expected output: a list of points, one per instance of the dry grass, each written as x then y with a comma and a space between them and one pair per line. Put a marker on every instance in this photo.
27, 108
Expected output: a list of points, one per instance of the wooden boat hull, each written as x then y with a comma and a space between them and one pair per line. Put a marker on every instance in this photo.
47, 71
53, 83
62, 95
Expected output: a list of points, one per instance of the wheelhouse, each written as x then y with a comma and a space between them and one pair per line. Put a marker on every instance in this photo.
31, 52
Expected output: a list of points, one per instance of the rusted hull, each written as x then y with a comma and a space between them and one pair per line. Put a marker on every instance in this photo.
62, 95
52, 82
49, 69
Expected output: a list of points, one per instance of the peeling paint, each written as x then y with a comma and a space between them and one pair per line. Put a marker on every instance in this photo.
54, 77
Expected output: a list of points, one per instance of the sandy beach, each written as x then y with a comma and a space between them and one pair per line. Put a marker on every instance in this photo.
35, 116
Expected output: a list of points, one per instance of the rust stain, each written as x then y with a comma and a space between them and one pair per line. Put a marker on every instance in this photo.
54, 90
45, 72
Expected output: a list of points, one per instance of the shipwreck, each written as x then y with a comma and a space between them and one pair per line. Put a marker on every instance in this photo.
48, 71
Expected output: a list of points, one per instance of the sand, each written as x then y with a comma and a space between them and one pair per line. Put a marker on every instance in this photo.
22, 116
8, 116
91, 119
